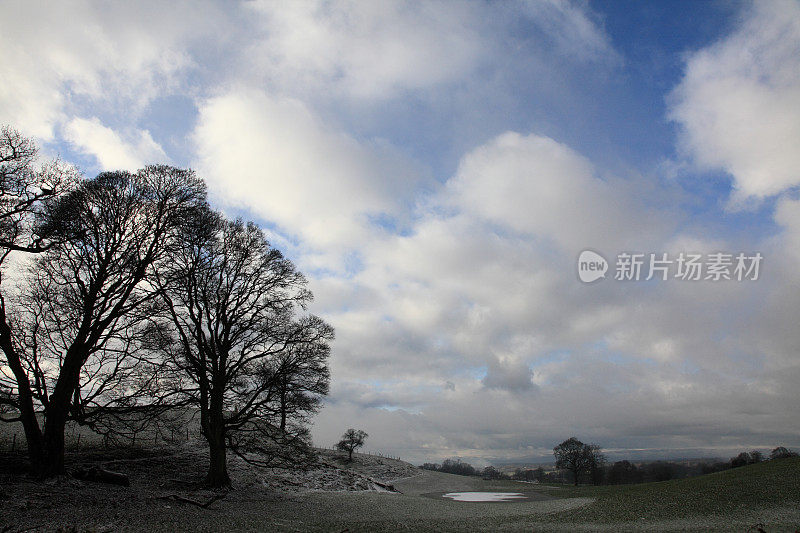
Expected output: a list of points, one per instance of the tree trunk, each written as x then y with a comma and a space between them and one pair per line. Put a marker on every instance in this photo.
52, 463
215, 435
351, 455
30, 424
57, 411
218, 466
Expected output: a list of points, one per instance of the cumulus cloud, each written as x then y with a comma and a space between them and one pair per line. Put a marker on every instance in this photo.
462, 328
276, 158
481, 293
738, 104
538, 186
114, 57
110, 149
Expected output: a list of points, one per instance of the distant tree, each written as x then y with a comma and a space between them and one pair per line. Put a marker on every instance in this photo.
491, 472
742, 459
528, 474
577, 457
597, 463
756, 456
660, 471
458, 467
781, 452
351, 441
623, 472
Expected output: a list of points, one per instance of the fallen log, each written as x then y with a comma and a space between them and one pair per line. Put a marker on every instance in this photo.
100, 475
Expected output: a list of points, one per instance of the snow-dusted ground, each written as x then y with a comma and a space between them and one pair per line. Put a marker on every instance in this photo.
332, 472
334, 495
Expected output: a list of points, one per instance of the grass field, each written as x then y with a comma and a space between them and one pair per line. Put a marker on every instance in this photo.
764, 495
764, 485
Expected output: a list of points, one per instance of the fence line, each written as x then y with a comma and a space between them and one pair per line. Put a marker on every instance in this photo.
373, 454
161, 436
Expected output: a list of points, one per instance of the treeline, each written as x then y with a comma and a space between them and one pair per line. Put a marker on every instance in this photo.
623, 472
132, 298
617, 473
459, 467
747, 458
452, 466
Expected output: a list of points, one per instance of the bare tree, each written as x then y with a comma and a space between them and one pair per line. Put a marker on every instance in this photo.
90, 304
351, 441
577, 457
302, 378
232, 300
25, 189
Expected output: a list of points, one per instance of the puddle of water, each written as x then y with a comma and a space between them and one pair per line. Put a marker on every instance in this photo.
483, 496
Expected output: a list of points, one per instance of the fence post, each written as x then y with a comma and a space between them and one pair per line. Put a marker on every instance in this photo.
14, 443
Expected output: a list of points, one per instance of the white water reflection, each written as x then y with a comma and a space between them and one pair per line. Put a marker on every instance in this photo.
483, 496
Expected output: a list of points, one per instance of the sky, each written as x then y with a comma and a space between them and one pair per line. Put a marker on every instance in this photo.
437, 168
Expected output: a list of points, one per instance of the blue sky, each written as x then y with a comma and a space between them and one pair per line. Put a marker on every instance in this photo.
436, 168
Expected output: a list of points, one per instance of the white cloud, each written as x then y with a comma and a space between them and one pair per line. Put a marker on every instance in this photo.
110, 56
540, 187
787, 214
457, 293
739, 102
467, 332
382, 50
112, 151
483, 295
370, 49
274, 157
570, 25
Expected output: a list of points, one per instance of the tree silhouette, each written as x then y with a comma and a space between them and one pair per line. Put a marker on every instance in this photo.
90, 301
232, 299
351, 441
25, 189
577, 457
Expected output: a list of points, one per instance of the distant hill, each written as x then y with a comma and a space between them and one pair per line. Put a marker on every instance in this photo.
748, 489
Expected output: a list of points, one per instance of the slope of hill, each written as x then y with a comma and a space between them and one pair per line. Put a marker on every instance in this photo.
336, 495
755, 490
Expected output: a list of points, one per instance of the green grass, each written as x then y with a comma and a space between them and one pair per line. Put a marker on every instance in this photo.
769, 484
